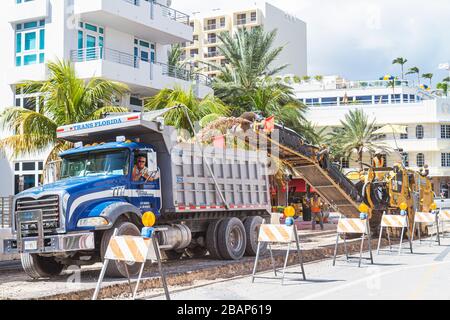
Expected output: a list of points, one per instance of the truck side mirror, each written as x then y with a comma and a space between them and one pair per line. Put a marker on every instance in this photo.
152, 161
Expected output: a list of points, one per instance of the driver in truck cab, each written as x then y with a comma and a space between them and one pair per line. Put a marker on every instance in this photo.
141, 172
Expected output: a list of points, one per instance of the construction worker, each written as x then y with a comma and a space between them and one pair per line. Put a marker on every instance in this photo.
377, 163
316, 211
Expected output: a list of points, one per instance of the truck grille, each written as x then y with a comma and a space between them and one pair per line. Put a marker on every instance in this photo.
49, 205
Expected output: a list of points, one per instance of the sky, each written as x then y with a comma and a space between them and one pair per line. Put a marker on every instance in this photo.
358, 39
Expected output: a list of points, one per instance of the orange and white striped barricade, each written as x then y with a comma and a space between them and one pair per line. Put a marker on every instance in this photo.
353, 226
278, 234
395, 221
129, 249
428, 218
444, 218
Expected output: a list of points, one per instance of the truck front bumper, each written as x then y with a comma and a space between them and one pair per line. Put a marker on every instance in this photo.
52, 244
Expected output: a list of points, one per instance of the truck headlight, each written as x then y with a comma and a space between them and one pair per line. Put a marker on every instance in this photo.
92, 222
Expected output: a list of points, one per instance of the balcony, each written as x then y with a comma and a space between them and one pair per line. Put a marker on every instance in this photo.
143, 77
140, 18
30, 10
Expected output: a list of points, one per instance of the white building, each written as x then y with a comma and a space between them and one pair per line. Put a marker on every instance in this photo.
426, 115
292, 34
121, 40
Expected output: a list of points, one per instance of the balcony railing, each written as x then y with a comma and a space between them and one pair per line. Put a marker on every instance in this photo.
173, 14
100, 53
212, 54
166, 11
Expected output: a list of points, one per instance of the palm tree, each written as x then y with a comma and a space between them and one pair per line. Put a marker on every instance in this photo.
67, 100
447, 79
401, 61
415, 70
356, 134
197, 108
251, 60
318, 78
443, 86
428, 76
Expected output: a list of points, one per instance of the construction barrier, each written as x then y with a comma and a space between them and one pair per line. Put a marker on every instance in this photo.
395, 221
278, 234
427, 218
129, 249
444, 218
353, 226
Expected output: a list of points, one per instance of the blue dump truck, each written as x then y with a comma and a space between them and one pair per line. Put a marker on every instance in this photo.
208, 199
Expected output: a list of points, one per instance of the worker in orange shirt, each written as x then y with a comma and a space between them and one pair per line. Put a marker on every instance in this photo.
316, 211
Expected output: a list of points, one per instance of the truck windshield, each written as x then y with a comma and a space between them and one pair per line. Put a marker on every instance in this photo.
95, 164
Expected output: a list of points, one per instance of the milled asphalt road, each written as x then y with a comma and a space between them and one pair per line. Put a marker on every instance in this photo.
422, 275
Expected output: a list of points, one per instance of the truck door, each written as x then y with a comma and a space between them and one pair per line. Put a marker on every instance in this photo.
146, 182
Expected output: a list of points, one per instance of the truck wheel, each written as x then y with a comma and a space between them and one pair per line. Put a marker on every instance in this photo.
252, 225
38, 267
231, 239
117, 269
211, 240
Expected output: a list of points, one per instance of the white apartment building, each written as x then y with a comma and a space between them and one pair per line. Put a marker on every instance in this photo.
121, 40
426, 115
208, 25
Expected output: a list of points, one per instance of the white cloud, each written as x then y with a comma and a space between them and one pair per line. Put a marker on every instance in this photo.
360, 38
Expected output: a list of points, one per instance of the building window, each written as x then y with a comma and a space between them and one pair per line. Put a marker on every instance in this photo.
405, 157
91, 40
329, 101
419, 132
445, 159
404, 136
253, 17
222, 22
30, 43
396, 98
30, 101
445, 131
420, 160
28, 174
381, 99
241, 18
144, 51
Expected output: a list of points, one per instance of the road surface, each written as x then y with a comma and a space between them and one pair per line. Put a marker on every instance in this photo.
423, 275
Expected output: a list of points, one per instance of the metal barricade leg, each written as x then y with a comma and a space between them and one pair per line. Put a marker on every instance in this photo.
273, 261
388, 231
401, 241
161, 271
413, 231
300, 254
361, 250
410, 237
369, 236
345, 247
257, 259
335, 250
379, 241
285, 263
100, 280
437, 231
138, 281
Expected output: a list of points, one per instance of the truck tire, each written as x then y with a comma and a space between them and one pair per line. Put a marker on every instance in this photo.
211, 240
252, 225
117, 269
38, 267
232, 239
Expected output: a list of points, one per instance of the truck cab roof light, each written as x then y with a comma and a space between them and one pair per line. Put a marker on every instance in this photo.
78, 145
121, 139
